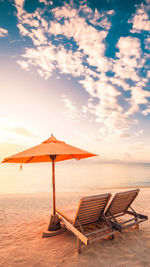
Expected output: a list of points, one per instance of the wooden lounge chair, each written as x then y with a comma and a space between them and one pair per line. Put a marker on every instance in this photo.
86, 222
120, 206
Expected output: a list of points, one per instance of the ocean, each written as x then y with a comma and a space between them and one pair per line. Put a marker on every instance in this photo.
72, 177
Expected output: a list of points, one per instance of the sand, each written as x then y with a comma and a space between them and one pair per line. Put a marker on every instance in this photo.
23, 218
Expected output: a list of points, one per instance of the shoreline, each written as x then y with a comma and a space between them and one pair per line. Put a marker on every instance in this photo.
75, 192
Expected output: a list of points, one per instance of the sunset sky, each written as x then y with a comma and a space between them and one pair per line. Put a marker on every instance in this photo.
79, 70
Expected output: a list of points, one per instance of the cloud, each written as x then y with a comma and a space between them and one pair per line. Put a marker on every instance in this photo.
41, 58
15, 130
108, 111
138, 97
21, 131
69, 62
147, 43
89, 40
129, 58
22, 29
141, 21
148, 74
46, 2
74, 42
19, 6
72, 111
3, 32
101, 19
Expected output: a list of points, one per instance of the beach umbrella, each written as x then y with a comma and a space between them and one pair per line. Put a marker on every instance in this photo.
51, 150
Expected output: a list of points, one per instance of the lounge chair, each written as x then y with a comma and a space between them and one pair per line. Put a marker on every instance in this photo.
87, 223
120, 206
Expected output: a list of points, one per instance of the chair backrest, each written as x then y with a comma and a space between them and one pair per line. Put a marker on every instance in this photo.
91, 209
121, 202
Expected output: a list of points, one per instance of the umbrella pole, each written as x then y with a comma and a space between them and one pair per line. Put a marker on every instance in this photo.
53, 180
54, 219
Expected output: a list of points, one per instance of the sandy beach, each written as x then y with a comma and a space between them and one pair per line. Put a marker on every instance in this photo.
23, 218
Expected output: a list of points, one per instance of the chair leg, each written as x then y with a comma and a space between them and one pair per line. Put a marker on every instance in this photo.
137, 225
113, 237
78, 245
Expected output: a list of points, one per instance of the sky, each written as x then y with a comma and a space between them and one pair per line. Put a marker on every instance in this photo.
79, 70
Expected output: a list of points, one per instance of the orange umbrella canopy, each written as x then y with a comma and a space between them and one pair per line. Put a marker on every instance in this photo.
44, 152
51, 150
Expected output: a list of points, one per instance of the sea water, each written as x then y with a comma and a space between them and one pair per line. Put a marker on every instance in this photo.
72, 177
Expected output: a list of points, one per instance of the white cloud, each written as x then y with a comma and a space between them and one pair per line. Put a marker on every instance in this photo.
41, 58
129, 46
89, 40
148, 74
111, 108
15, 130
38, 37
19, 7
141, 21
24, 64
66, 11
108, 111
101, 19
129, 58
69, 62
147, 43
21, 131
45, 59
104, 24
140, 96
45, 2
146, 111
22, 29
3, 32
71, 110
120, 82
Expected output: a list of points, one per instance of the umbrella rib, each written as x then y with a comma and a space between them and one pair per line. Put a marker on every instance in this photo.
5, 160
74, 157
29, 159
